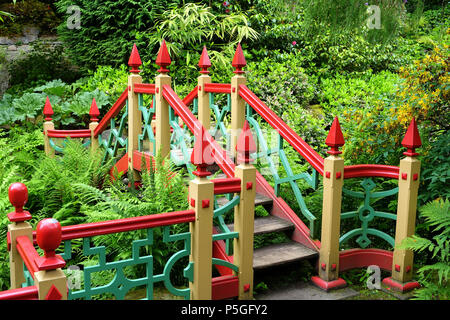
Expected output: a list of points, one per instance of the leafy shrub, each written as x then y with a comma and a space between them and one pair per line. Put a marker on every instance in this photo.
108, 30
434, 277
28, 12
43, 63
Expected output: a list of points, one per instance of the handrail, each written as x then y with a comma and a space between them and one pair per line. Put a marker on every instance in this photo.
218, 154
27, 293
218, 87
228, 185
148, 88
28, 253
371, 170
125, 224
308, 153
191, 96
115, 109
82, 133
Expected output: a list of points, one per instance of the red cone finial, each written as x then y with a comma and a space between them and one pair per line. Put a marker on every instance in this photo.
135, 60
239, 60
204, 62
93, 112
48, 111
48, 237
245, 144
18, 196
163, 58
335, 139
411, 141
201, 154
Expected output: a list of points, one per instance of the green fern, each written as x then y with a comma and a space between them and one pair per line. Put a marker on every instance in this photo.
434, 278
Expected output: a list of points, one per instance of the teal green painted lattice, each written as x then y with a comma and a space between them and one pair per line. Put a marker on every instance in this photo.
366, 213
120, 284
147, 131
61, 148
116, 138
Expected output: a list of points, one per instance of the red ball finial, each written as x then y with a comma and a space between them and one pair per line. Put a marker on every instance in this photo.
245, 144
93, 112
201, 154
204, 63
135, 60
411, 141
18, 196
48, 237
48, 111
239, 60
335, 138
163, 58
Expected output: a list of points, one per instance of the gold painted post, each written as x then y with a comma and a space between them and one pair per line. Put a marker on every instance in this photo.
333, 181
201, 199
48, 125
50, 280
204, 112
18, 196
162, 106
94, 113
244, 213
134, 114
408, 183
237, 103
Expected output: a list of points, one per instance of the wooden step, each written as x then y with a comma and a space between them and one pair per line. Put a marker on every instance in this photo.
269, 224
282, 253
260, 200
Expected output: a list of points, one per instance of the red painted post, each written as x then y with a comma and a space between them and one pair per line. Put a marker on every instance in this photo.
331, 212
18, 196
408, 184
94, 114
48, 125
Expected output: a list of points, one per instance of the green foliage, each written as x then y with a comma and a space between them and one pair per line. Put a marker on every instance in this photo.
43, 63
434, 277
108, 29
27, 12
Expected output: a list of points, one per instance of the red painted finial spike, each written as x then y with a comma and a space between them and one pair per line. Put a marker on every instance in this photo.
204, 63
245, 144
48, 110
335, 138
163, 58
93, 112
239, 60
135, 60
48, 237
411, 141
201, 154
18, 196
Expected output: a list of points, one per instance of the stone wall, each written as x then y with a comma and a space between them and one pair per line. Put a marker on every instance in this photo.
15, 47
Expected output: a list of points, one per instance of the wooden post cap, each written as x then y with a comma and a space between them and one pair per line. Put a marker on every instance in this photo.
163, 59
93, 112
201, 155
239, 60
18, 196
48, 237
335, 138
204, 63
48, 110
135, 60
411, 141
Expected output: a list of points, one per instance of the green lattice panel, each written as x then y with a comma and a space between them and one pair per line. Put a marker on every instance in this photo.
366, 213
147, 131
116, 138
120, 284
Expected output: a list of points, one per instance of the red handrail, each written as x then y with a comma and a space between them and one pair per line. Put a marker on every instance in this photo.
83, 133
371, 170
28, 253
218, 87
27, 293
191, 96
228, 185
218, 154
148, 88
308, 153
124, 225
115, 109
